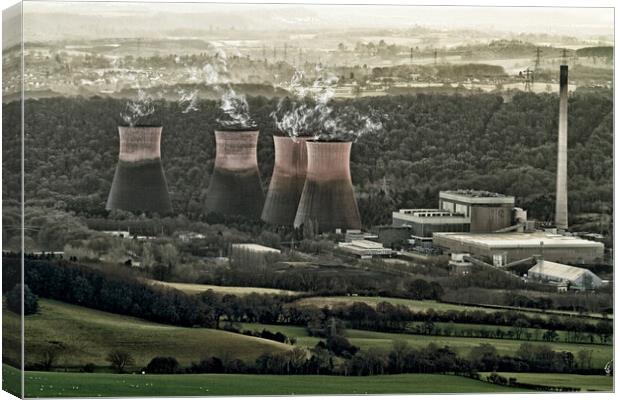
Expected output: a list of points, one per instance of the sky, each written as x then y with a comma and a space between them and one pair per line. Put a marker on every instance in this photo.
58, 20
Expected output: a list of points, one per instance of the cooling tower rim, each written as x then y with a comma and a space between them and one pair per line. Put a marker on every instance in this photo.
248, 129
140, 126
328, 141
280, 134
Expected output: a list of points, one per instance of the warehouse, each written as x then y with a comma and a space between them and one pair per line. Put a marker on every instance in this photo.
510, 247
564, 276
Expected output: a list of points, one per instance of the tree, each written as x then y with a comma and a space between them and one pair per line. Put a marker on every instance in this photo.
14, 300
119, 360
163, 365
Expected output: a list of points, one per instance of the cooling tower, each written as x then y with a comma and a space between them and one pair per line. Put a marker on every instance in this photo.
139, 183
561, 195
235, 186
328, 200
287, 180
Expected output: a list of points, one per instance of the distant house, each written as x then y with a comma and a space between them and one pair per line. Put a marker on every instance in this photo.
564, 276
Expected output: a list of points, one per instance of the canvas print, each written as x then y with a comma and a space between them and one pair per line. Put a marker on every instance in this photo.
219, 199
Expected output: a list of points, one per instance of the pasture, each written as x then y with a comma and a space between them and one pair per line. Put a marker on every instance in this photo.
67, 384
87, 336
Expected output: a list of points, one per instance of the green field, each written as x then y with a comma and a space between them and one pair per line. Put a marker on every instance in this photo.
89, 335
195, 288
424, 305
55, 384
585, 382
601, 354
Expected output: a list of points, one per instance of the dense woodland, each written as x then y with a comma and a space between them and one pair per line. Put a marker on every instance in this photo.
428, 143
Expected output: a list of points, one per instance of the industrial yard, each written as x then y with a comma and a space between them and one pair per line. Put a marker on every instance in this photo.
428, 210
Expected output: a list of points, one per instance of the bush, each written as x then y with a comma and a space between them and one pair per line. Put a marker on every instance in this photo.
120, 359
90, 367
14, 300
163, 365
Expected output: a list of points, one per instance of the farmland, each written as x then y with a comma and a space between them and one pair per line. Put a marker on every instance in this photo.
89, 335
55, 384
601, 354
585, 382
195, 288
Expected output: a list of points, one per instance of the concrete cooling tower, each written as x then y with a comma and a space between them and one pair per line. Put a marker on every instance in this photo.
139, 183
235, 186
287, 180
328, 199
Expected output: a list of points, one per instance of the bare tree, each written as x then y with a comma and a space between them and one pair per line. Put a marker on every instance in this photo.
120, 359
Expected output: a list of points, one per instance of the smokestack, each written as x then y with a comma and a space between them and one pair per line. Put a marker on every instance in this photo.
561, 195
328, 201
139, 183
235, 186
287, 180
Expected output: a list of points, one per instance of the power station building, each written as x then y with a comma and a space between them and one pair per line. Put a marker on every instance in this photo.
139, 183
235, 186
328, 200
509, 247
424, 222
486, 211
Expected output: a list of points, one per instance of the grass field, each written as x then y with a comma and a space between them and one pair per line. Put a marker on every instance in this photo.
55, 384
195, 288
422, 305
585, 382
89, 335
462, 345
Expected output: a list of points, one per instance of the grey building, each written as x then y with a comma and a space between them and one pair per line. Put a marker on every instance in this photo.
515, 246
486, 211
424, 222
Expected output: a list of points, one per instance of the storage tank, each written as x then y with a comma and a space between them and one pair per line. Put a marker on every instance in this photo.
235, 186
287, 180
139, 183
328, 200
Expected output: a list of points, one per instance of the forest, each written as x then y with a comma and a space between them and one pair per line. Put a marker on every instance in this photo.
429, 142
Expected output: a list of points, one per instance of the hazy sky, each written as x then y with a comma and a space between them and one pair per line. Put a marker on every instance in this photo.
53, 20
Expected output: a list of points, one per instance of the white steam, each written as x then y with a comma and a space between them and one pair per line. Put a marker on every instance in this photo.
136, 109
311, 111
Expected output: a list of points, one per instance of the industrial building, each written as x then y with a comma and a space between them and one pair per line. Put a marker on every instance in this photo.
253, 248
365, 248
328, 200
424, 222
235, 187
394, 237
287, 180
486, 211
564, 276
503, 248
139, 184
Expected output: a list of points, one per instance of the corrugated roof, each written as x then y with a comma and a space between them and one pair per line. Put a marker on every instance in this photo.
557, 270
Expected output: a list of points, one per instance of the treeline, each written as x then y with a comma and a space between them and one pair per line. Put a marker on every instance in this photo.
121, 293
428, 143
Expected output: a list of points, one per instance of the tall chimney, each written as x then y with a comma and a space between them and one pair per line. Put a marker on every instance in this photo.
235, 186
328, 201
139, 183
287, 180
561, 195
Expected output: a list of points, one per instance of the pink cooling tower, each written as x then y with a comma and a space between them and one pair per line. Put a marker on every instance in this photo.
328, 200
235, 186
139, 183
287, 180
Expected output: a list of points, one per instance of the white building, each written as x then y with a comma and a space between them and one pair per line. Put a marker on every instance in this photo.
364, 248
564, 275
254, 248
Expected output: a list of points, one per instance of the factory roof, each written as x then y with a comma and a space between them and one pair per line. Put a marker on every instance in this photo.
476, 196
255, 247
556, 270
430, 216
518, 240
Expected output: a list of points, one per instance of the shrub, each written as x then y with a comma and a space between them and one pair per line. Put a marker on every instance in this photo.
14, 300
90, 367
163, 365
